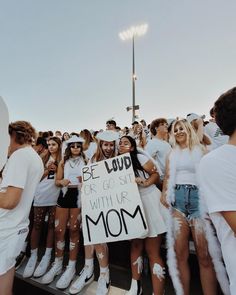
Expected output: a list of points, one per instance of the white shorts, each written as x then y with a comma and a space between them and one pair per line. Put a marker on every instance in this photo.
10, 247
153, 212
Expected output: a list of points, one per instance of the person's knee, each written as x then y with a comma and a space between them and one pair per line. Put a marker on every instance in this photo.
59, 233
204, 258
74, 229
182, 254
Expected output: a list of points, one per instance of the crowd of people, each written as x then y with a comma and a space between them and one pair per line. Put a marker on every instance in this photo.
185, 170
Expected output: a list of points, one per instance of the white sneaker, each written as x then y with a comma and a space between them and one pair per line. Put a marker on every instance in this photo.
66, 278
30, 266
54, 271
42, 267
135, 288
84, 279
103, 285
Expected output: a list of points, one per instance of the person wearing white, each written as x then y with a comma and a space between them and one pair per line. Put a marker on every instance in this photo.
218, 183
21, 175
181, 196
45, 201
146, 177
215, 133
106, 149
89, 145
67, 212
197, 122
157, 147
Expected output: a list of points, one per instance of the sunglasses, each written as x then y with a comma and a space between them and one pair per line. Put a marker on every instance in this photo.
75, 146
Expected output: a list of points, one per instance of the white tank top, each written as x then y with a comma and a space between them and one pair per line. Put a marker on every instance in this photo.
73, 170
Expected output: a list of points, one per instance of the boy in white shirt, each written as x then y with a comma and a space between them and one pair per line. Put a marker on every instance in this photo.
217, 173
20, 177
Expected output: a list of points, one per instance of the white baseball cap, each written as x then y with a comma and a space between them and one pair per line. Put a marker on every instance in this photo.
108, 135
192, 116
74, 139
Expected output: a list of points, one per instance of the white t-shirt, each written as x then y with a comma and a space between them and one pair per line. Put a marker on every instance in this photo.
216, 135
24, 169
217, 175
158, 149
91, 150
47, 192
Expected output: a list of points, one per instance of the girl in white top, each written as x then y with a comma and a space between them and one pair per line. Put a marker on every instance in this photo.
64, 138
67, 211
147, 177
180, 194
45, 201
89, 145
106, 149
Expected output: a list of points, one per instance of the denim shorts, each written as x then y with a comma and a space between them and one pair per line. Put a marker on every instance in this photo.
187, 200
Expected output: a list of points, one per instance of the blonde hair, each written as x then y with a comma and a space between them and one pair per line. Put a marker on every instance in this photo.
99, 156
192, 138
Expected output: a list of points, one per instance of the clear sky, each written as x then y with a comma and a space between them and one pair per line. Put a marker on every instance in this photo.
63, 66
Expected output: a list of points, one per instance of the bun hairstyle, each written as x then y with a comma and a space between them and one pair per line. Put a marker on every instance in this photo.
23, 132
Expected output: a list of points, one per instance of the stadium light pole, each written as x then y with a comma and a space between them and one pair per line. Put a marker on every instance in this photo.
131, 34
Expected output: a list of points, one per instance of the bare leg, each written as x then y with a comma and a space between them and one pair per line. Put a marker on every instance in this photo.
51, 227
61, 218
39, 217
74, 232
136, 258
6, 282
89, 251
207, 272
152, 247
102, 254
182, 232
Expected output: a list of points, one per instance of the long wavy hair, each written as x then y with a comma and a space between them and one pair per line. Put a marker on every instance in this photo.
99, 155
68, 153
46, 157
87, 136
192, 138
134, 156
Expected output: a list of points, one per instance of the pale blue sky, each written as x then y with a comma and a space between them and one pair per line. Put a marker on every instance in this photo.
63, 66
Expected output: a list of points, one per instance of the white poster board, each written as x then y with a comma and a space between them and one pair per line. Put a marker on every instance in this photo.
111, 206
4, 137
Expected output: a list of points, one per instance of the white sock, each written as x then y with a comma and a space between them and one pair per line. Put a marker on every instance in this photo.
105, 271
48, 252
34, 252
89, 262
59, 260
72, 263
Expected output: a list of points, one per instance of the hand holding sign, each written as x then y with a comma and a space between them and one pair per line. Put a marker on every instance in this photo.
4, 138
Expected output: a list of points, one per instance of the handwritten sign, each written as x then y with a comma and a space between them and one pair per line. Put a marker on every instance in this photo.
4, 138
111, 206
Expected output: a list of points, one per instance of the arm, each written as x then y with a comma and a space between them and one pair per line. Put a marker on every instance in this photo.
60, 181
164, 190
230, 218
200, 129
10, 199
154, 177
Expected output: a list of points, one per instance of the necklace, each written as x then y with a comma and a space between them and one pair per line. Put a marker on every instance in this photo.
74, 162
